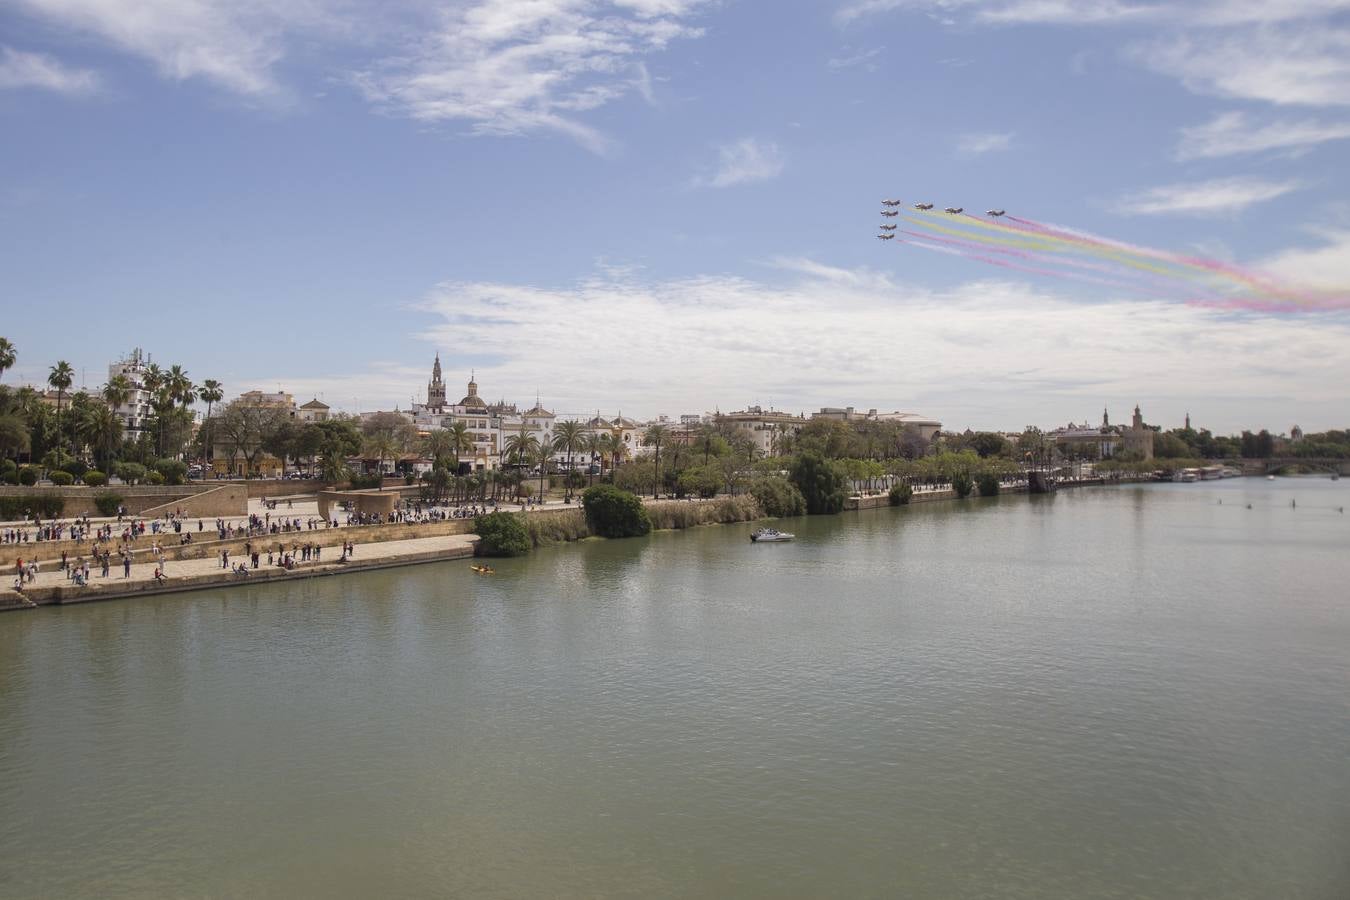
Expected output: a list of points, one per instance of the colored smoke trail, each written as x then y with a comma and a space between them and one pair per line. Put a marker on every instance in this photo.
1058, 251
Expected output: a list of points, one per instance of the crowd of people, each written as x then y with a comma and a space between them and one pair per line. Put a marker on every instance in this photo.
111, 542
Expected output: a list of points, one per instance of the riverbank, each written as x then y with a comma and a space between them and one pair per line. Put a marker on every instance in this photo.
54, 589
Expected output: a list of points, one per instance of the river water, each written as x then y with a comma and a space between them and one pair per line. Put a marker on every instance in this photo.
1134, 692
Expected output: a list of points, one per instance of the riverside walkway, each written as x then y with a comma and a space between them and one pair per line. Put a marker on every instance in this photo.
54, 587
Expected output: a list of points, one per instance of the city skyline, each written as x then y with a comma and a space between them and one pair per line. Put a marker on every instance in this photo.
667, 206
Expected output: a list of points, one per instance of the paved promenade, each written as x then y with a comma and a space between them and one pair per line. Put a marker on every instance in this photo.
53, 586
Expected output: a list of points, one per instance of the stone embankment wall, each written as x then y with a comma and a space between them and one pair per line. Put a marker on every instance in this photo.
78, 500
117, 589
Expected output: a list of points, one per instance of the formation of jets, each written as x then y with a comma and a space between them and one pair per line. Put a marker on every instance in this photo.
888, 231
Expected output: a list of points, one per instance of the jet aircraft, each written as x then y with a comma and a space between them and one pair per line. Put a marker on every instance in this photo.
890, 202
923, 206
888, 227
890, 212
954, 210
994, 212
885, 237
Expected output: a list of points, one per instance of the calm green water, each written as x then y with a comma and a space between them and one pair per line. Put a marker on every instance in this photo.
1133, 693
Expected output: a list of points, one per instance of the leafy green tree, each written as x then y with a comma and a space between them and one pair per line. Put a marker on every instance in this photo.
613, 513
778, 497
701, 481
900, 494
820, 482
1170, 446
130, 472
501, 534
825, 437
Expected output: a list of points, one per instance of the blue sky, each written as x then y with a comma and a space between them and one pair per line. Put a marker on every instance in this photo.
669, 205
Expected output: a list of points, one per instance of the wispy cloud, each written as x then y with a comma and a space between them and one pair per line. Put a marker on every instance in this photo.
1284, 52
37, 70
743, 161
230, 43
1206, 198
1307, 65
1234, 133
980, 144
511, 68
864, 58
739, 339
1325, 266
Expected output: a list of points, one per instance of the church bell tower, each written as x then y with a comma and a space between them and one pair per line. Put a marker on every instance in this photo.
436, 388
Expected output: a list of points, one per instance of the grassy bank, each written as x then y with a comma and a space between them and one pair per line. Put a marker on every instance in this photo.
570, 524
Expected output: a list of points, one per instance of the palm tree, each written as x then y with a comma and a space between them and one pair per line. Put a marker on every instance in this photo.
101, 429
461, 440
117, 391
654, 437
60, 378
7, 356
568, 436
212, 392
521, 447
593, 443
382, 445
180, 385
440, 445
611, 445
543, 452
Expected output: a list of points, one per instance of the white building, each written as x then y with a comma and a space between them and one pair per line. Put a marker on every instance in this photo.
136, 412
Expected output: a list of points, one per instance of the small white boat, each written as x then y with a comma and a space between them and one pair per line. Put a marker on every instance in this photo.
769, 535
1270, 478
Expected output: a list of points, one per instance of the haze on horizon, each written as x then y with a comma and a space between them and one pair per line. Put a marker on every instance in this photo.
668, 206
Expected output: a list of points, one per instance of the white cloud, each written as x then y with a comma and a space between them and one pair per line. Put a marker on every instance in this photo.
37, 70
1326, 266
992, 353
743, 161
508, 67
231, 43
1214, 197
1233, 133
1307, 65
1203, 13
864, 58
1278, 51
980, 144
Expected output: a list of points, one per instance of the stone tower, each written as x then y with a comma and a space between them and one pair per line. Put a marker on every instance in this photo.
436, 387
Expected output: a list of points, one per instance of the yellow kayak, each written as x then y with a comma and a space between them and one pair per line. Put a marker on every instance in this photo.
483, 570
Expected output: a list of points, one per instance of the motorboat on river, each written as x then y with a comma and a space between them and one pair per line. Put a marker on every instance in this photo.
770, 535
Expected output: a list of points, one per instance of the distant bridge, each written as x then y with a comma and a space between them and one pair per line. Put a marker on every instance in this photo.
1331, 466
